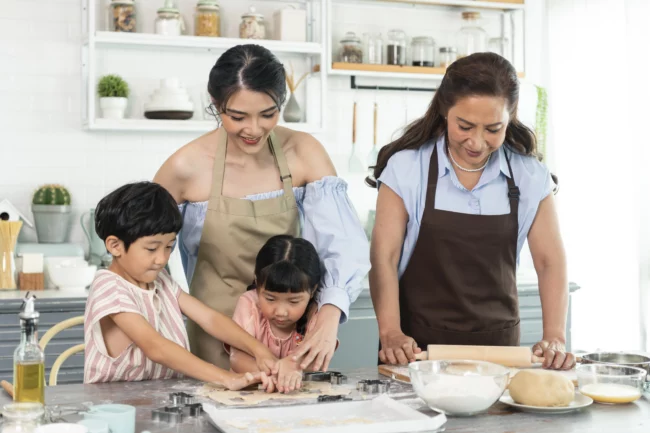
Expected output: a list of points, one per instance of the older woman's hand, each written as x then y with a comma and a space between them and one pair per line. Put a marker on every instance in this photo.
553, 350
318, 347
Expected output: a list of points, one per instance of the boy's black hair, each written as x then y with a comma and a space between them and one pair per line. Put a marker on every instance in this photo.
136, 210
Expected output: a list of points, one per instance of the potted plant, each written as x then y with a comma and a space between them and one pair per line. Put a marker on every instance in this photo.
113, 91
292, 111
51, 209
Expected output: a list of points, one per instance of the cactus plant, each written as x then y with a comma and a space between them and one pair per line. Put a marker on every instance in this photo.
112, 86
52, 195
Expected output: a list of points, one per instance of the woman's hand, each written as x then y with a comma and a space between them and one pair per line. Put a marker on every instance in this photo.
555, 355
318, 347
398, 348
237, 381
265, 360
289, 375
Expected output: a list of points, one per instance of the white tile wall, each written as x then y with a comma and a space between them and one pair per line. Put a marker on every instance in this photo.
41, 138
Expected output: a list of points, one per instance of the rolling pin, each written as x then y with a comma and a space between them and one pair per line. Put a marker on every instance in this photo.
509, 356
9, 388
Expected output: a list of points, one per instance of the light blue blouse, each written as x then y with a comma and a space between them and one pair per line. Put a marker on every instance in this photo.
327, 219
407, 174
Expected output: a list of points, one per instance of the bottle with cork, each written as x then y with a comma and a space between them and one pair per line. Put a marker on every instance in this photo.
29, 359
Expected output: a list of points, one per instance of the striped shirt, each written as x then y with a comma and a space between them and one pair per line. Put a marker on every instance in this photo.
112, 294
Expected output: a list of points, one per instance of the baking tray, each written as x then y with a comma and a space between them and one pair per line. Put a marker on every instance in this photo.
380, 415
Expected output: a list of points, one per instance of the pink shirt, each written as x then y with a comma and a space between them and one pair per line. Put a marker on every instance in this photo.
249, 316
111, 294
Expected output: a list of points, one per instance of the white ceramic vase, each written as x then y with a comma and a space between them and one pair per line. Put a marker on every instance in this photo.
112, 107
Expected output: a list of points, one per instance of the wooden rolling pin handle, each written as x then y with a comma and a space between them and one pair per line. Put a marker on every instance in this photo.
422, 356
9, 388
537, 359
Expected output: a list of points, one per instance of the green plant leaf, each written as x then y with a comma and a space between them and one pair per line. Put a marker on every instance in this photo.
112, 86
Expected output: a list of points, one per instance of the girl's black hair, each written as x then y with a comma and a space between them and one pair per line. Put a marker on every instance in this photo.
250, 67
286, 264
136, 210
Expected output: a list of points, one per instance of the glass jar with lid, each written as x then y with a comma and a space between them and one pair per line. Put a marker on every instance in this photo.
252, 25
472, 38
122, 16
207, 18
374, 48
21, 417
396, 47
423, 51
168, 20
350, 51
447, 56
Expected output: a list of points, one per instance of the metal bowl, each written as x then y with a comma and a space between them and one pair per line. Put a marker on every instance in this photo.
624, 359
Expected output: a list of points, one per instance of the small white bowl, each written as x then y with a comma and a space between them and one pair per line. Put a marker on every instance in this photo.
75, 278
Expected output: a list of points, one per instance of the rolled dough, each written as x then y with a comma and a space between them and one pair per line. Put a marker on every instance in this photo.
541, 388
309, 390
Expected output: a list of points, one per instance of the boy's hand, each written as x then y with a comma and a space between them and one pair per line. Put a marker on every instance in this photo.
238, 381
266, 361
289, 375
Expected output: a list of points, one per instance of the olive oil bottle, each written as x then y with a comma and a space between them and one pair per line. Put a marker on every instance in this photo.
29, 359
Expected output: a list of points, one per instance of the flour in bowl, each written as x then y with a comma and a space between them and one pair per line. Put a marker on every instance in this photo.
461, 394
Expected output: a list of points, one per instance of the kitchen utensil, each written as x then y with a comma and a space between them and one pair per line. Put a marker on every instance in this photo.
618, 358
354, 164
580, 401
178, 412
374, 152
120, 417
460, 388
9, 388
8, 237
610, 383
510, 356
333, 377
374, 386
180, 398
381, 414
96, 246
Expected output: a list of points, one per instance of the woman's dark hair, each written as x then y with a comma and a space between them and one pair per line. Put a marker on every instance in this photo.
250, 67
289, 265
480, 74
136, 210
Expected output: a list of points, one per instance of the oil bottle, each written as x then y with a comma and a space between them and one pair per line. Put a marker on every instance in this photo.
29, 359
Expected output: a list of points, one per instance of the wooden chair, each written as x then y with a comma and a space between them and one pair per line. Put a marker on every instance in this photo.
68, 323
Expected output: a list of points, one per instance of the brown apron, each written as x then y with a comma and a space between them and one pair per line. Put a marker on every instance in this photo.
460, 286
233, 233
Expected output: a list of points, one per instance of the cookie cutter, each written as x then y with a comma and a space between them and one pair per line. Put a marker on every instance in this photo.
168, 414
373, 386
181, 398
333, 377
332, 398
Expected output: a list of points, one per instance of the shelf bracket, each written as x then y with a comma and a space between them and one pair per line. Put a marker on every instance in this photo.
355, 86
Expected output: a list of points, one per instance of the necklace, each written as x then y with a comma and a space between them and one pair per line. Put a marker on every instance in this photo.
472, 170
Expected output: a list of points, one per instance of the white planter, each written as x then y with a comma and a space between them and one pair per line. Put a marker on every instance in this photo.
113, 108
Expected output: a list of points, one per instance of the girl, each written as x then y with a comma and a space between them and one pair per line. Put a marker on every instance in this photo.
280, 306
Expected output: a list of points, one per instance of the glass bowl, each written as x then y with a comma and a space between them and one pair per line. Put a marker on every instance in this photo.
458, 388
611, 384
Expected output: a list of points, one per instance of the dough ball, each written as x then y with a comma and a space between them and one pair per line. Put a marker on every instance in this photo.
541, 388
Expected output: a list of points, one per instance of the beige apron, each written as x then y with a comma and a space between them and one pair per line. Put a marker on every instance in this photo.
233, 232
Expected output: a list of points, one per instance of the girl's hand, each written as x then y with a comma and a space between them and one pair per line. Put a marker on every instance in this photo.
265, 360
238, 381
318, 347
289, 376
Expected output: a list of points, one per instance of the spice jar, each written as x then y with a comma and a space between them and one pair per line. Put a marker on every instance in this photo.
423, 51
122, 16
208, 20
21, 417
396, 48
471, 37
252, 25
447, 56
374, 48
169, 21
351, 49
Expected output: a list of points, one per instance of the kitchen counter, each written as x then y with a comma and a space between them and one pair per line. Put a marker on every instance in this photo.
145, 396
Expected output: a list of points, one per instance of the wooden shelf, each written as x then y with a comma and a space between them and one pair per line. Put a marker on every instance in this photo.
149, 40
188, 126
388, 71
504, 5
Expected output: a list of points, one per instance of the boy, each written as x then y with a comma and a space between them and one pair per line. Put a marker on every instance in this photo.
133, 327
